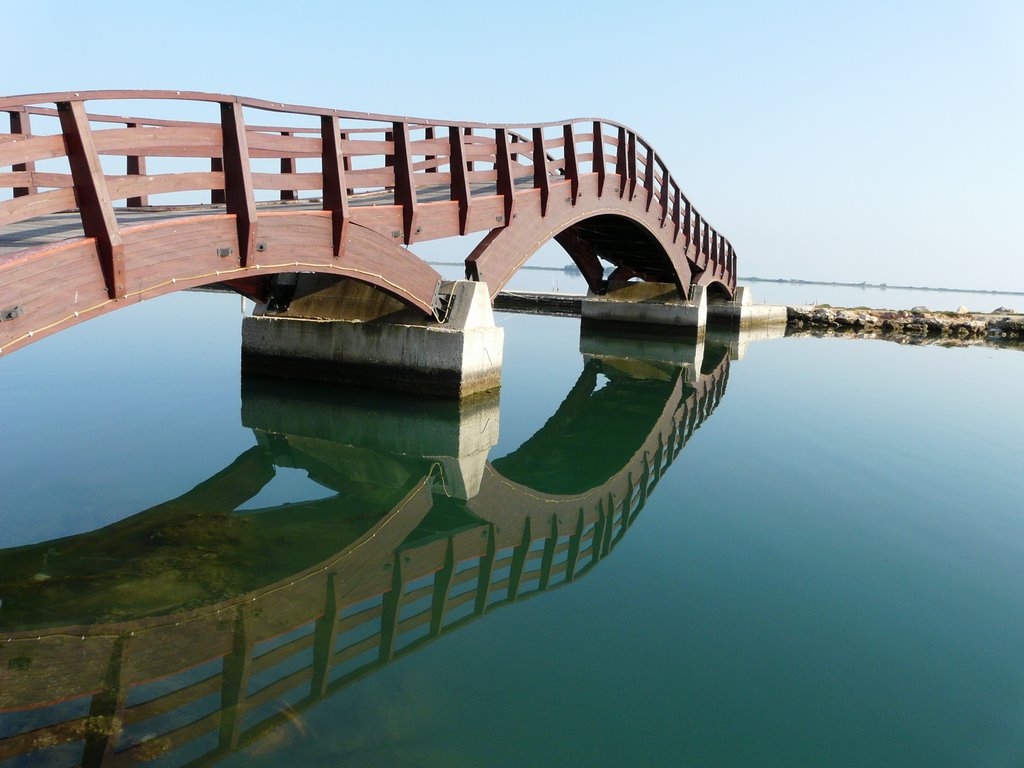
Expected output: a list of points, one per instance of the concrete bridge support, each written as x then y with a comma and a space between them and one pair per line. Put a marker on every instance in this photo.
346, 331
741, 314
648, 306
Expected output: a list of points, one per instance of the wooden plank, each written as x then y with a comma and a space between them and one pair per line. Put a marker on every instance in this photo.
572, 168
35, 179
335, 195
599, 162
486, 569
541, 180
287, 182
664, 194
97, 211
405, 185
27, 151
238, 188
460, 191
123, 187
519, 555
184, 141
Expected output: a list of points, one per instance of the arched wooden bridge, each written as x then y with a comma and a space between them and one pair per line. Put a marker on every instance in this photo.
354, 189
201, 683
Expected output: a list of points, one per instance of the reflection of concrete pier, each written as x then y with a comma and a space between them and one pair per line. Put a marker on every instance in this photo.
200, 682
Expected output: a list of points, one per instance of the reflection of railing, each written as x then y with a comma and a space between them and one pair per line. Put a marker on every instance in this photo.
418, 180
203, 684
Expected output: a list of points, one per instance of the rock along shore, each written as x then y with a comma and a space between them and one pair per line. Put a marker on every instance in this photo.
1001, 324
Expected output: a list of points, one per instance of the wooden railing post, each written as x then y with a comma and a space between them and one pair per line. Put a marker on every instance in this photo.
572, 166
573, 555
429, 136
698, 241
503, 165
235, 683
98, 220
519, 555
621, 162
460, 190
217, 196
107, 708
405, 184
649, 175
442, 584
483, 583
325, 637
288, 166
469, 163
335, 192
598, 162
238, 189
346, 162
631, 164
135, 165
688, 223
548, 558
676, 212
21, 123
540, 170
663, 202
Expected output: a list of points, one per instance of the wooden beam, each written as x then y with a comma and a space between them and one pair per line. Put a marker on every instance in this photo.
405, 184
98, 220
335, 197
238, 190
540, 170
572, 166
442, 584
21, 122
506, 181
483, 584
460, 190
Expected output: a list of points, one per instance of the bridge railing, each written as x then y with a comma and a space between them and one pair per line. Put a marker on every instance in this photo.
390, 160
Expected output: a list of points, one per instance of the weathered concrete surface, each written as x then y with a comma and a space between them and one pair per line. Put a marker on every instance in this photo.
458, 357
742, 314
651, 305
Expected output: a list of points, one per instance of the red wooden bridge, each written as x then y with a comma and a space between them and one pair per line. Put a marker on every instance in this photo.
321, 190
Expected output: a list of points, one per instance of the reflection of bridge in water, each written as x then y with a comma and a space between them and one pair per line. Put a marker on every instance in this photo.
441, 537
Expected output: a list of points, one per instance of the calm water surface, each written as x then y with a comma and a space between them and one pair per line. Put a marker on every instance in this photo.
644, 554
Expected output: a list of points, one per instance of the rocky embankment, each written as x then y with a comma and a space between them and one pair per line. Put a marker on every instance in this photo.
919, 322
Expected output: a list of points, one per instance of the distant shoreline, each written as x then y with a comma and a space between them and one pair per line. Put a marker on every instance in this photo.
574, 270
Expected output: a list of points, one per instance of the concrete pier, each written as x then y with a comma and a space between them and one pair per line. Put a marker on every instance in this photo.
656, 306
742, 314
346, 331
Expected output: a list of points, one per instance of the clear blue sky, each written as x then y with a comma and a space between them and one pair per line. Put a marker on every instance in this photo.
879, 141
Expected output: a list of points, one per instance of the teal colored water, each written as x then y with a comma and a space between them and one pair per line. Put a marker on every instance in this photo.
807, 556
